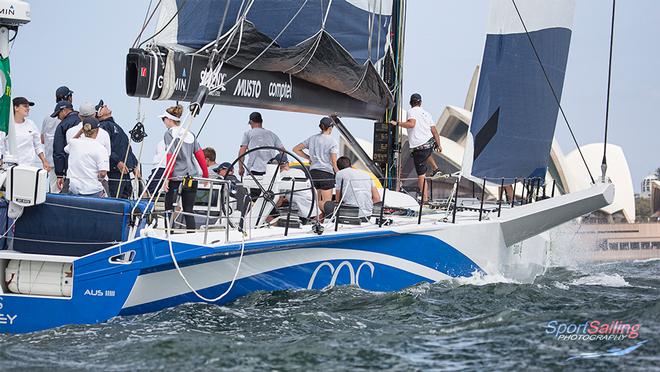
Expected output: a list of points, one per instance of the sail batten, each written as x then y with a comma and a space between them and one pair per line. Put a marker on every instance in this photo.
515, 110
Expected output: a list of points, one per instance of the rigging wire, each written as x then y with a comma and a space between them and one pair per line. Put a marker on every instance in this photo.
603, 165
183, 4
552, 89
205, 119
146, 21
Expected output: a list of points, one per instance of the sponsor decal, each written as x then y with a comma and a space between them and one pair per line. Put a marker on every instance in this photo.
5, 318
215, 79
99, 293
8, 11
279, 90
143, 72
248, 88
354, 274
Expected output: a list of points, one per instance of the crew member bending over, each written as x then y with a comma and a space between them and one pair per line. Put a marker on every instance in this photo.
356, 188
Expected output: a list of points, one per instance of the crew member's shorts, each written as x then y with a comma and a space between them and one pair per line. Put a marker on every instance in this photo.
322, 180
419, 158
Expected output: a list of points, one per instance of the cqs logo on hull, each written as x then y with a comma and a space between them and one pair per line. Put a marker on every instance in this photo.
353, 274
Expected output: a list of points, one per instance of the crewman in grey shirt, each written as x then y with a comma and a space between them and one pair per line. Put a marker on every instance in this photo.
354, 188
323, 149
257, 136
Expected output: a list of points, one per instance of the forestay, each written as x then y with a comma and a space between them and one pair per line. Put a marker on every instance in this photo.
515, 112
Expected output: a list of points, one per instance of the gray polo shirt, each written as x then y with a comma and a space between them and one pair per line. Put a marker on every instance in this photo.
356, 190
320, 147
185, 164
257, 137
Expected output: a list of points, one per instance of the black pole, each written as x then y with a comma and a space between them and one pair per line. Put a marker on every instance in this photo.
522, 193
453, 213
288, 212
473, 194
382, 208
421, 204
603, 165
338, 207
513, 196
538, 189
552, 194
499, 204
483, 194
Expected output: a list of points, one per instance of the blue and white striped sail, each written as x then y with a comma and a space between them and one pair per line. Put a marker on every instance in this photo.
515, 113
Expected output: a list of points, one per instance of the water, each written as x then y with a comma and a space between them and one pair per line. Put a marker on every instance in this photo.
466, 324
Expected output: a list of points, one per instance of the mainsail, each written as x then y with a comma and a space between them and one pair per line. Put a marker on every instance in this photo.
515, 110
305, 55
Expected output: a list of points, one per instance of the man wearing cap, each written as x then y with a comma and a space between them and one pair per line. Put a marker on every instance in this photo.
257, 136
122, 160
88, 161
48, 128
68, 118
88, 110
303, 200
423, 138
209, 156
27, 136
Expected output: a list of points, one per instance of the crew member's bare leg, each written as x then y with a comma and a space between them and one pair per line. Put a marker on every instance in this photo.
420, 182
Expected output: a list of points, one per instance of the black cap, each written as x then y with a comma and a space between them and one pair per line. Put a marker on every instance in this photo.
281, 158
256, 117
99, 105
59, 106
63, 93
415, 97
22, 101
225, 165
326, 123
90, 123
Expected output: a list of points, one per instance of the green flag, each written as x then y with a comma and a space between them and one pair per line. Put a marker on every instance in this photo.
5, 99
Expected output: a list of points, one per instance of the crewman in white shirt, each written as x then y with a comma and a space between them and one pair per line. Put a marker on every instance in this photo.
423, 139
88, 162
28, 137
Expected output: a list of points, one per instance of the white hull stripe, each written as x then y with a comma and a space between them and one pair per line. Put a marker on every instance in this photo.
165, 284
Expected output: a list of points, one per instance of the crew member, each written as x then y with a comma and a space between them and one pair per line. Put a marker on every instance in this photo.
122, 160
302, 200
28, 138
87, 110
68, 118
354, 188
323, 149
88, 162
257, 136
181, 167
48, 128
423, 138
209, 156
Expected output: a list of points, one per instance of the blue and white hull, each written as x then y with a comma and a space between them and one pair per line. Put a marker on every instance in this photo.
139, 276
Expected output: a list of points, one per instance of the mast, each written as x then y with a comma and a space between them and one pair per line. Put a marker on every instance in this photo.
393, 76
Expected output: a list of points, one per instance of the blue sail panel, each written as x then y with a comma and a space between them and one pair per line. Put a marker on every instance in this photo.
515, 112
359, 26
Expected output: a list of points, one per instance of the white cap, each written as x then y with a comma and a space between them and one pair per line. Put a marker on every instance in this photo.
169, 116
87, 109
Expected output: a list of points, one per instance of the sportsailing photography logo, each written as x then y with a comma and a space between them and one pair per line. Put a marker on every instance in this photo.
593, 330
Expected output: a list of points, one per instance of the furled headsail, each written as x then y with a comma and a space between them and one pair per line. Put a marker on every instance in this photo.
304, 55
515, 112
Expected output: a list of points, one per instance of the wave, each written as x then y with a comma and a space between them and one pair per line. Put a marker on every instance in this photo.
478, 279
602, 279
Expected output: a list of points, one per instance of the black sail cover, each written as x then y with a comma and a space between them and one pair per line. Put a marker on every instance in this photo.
306, 56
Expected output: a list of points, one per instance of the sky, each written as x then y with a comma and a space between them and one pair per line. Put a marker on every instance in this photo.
83, 44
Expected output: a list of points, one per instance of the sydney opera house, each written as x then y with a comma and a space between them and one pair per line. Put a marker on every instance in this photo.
566, 172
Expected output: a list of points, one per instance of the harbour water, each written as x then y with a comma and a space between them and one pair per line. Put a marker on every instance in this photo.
472, 324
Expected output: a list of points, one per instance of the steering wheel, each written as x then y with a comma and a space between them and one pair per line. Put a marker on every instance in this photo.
267, 192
